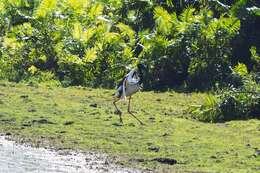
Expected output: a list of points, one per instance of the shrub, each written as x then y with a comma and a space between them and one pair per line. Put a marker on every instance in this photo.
209, 111
193, 47
232, 103
42, 78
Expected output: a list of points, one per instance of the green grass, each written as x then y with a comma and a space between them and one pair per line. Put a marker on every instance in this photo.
39, 114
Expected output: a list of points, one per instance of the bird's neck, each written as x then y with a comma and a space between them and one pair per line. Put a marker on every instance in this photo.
141, 77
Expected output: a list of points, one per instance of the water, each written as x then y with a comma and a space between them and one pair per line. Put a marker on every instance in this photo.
15, 158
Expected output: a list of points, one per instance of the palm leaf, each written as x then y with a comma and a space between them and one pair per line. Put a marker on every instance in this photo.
163, 19
11, 43
126, 31
78, 5
187, 14
2, 7
210, 31
88, 34
231, 24
169, 3
77, 31
45, 7
96, 10
90, 55
110, 37
128, 52
237, 6
254, 54
16, 3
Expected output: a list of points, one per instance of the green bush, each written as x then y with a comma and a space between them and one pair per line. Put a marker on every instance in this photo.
41, 78
232, 103
75, 41
193, 47
237, 104
209, 111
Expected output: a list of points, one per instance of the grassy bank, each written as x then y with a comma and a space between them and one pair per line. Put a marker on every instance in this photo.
83, 118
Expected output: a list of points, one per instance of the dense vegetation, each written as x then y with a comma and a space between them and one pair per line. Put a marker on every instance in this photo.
241, 100
93, 43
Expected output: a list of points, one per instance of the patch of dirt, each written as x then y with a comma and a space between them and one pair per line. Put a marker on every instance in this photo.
168, 161
31, 110
8, 121
24, 96
66, 123
154, 148
42, 121
94, 105
117, 124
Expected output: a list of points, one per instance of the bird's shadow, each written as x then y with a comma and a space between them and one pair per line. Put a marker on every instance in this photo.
118, 124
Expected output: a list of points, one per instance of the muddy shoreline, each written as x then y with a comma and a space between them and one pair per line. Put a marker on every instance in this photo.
17, 157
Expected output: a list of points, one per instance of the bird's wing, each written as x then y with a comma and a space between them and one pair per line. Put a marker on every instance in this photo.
121, 82
132, 77
128, 76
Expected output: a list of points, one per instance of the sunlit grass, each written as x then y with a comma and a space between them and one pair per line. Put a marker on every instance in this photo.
84, 119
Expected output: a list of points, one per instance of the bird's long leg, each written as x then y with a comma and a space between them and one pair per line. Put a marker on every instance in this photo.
129, 111
117, 110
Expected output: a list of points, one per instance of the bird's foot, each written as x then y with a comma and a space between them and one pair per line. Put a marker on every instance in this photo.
118, 112
117, 124
121, 120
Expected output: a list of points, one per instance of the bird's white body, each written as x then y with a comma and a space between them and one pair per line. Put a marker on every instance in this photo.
131, 89
130, 85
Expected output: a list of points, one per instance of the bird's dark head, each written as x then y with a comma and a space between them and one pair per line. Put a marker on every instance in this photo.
141, 67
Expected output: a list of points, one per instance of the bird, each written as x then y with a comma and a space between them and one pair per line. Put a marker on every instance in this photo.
129, 85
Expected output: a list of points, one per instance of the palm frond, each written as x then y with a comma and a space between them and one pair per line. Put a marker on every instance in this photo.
128, 52
78, 5
206, 15
77, 31
187, 14
163, 19
109, 37
73, 59
254, 54
11, 43
210, 31
170, 3
90, 55
237, 6
181, 27
240, 69
162, 41
126, 31
88, 34
144, 36
231, 24
96, 10
15, 3
2, 7
45, 7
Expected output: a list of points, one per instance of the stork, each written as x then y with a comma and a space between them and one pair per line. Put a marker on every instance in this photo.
129, 85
